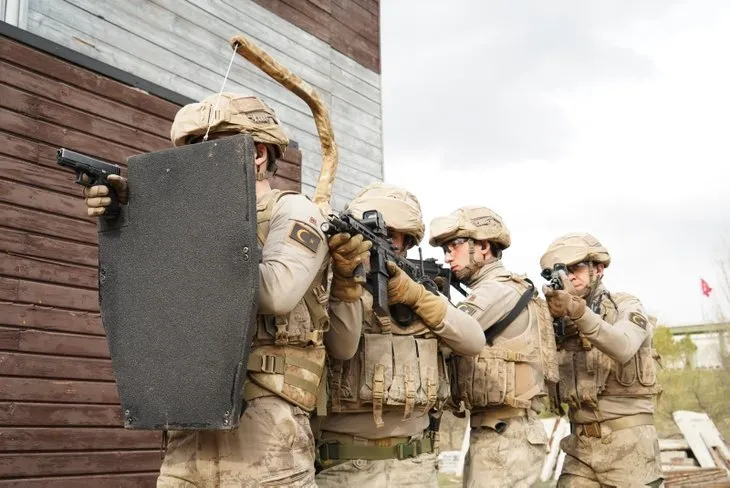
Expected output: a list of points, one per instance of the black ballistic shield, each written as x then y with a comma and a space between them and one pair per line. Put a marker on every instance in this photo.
178, 285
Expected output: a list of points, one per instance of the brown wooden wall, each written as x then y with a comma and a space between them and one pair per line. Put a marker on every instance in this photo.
60, 423
351, 27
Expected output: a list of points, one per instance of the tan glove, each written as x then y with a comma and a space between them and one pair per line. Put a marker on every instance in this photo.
98, 199
564, 303
347, 253
402, 289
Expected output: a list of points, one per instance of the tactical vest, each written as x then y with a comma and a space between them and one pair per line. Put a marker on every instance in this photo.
287, 358
514, 370
394, 369
586, 373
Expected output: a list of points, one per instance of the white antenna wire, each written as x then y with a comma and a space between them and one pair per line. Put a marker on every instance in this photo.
210, 119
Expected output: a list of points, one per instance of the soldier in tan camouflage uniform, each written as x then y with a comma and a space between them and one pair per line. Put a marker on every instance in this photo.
273, 445
504, 385
377, 431
607, 372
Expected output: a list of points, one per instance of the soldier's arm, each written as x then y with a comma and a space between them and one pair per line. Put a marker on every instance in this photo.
621, 340
343, 337
293, 254
460, 331
457, 329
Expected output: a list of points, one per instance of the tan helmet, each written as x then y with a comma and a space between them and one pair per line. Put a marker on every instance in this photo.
234, 113
478, 223
575, 248
400, 208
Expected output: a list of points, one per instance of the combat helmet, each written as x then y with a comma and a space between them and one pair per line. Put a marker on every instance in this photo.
400, 208
477, 223
231, 112
575, 248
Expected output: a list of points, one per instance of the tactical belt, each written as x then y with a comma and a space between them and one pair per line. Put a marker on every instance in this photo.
595, 429
343, 447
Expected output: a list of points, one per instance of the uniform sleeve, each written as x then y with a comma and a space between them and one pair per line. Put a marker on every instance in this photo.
293, 254
460, 331
491, 302
343, 337
621, 340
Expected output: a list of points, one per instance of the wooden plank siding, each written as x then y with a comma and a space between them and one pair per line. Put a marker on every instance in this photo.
60, 421
182, 45
351, 27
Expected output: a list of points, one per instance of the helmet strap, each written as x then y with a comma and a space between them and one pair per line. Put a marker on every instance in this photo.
263, 174
262, 170
593, 283
470, 270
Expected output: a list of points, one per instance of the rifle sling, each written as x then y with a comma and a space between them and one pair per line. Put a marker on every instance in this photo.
491, 333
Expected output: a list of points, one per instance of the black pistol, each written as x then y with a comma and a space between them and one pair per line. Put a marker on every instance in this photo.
96, 173
553, 281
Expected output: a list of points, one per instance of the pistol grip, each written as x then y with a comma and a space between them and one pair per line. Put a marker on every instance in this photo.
401, 314
112, 210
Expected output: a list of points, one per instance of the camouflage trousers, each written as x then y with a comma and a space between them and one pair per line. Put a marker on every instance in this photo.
273, 446
513, 458
625, 458
420, 471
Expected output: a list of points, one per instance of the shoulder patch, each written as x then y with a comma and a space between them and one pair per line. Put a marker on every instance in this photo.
467, 308
638, 319
305, 235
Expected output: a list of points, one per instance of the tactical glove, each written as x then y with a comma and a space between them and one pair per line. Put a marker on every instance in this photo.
562, 304
402, 289
347, 253
98, 199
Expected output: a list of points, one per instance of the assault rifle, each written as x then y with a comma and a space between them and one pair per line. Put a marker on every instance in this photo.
375, 276
553, 281
440, 275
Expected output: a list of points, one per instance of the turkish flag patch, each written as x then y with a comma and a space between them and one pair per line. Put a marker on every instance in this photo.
306, 236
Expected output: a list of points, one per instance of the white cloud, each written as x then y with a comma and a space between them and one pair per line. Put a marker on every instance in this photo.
614, 121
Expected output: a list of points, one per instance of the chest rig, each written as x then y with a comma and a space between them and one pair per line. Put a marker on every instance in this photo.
586, 373
287, 358
513, 370
395, 369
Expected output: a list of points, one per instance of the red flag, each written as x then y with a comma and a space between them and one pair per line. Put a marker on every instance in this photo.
705, 288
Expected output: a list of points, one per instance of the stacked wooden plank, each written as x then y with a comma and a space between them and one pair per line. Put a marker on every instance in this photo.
700, 459
701, 477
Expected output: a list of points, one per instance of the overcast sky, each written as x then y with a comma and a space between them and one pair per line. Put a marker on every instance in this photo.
610, 117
